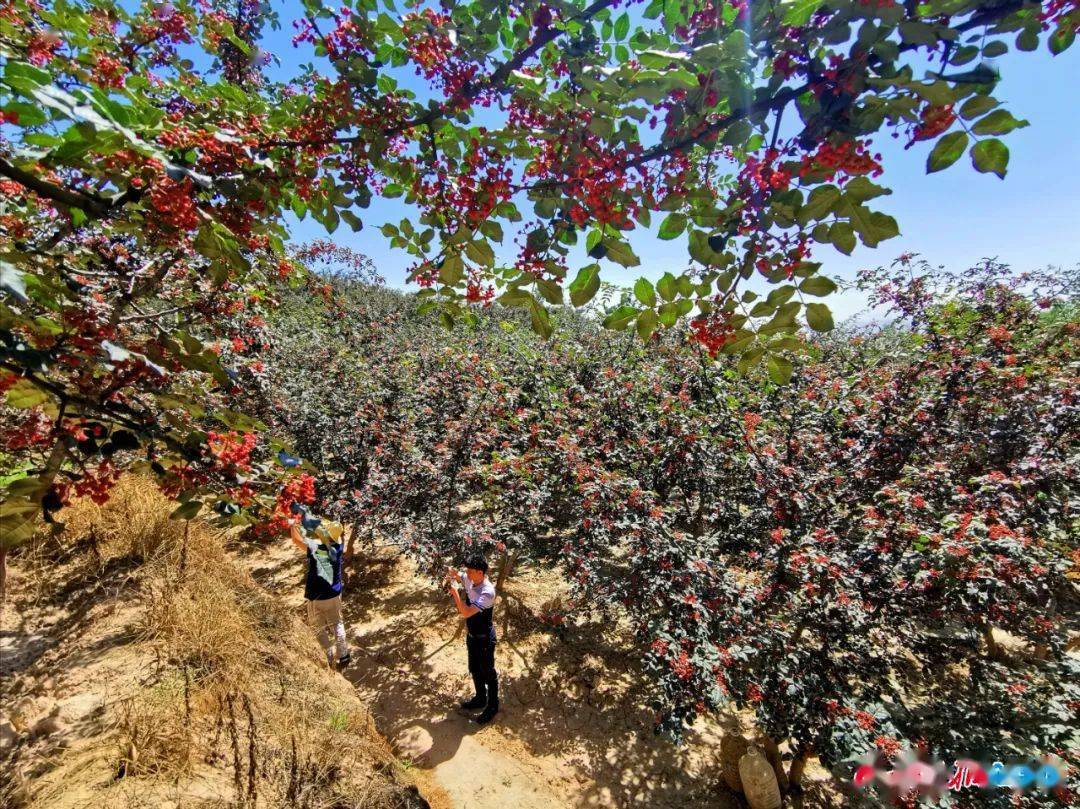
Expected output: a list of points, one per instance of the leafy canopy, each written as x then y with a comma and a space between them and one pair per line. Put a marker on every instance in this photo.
150, 160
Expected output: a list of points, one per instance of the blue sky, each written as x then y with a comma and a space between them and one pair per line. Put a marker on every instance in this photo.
1031, 219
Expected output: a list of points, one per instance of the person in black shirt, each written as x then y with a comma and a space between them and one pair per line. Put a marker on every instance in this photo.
477, 608
322, 586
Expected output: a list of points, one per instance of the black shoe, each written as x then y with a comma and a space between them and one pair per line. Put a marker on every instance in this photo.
487, 715
344, 661
473, 704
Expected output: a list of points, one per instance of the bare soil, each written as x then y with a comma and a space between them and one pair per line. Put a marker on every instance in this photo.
129, 665
140, 666
575, 728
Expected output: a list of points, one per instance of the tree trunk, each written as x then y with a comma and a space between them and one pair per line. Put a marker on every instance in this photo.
798, 765
3, 574
504, 569
183, 552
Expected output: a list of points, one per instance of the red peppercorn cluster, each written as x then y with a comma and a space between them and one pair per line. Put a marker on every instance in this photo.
432, 44
477, 292
232, 449
762, 173
42, 48
175, 205
1055, 11
840, 161
96, 484
933, 121
344, 40
712, 331
711, 16
109, 72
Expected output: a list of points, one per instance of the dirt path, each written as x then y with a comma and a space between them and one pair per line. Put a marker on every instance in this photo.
574, 730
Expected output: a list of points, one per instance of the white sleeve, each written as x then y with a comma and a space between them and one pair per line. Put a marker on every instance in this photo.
484, 599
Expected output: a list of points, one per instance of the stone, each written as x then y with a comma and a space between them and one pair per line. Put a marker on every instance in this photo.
8, 734
21, 713
413, 742
49, 724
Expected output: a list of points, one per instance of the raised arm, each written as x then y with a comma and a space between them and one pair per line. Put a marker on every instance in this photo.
297, 540
466, 610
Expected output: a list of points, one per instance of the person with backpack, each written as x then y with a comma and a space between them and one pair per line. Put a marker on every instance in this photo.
477, 610
323, 583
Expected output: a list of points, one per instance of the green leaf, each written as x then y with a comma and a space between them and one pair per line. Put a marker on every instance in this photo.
480, 251
842, 235
352, 220
643, 291
946, 151
242, 422
585, 285
820, 202
539, 319
668, 314
187, 511
916, 32
1063, 37
672, 226
173, 402
751, 358
818, 317
998, 122
1028, 40
818, 285
861, 189
622, 26
737, 133
646, 324
25, 394
799, 12
18, 521
593, 239
990, 155
620, 318
977, 105
24, 77
620, 252
27, 114
780, 368
667, 287
550, 291
452, 269
516, 297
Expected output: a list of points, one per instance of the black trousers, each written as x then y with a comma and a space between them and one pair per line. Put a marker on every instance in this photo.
482, 668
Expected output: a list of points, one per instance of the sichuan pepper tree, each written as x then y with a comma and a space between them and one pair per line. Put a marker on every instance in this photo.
847, 555
915, 499
138, 234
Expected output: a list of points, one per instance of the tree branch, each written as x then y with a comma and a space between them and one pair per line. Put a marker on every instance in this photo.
471, 90
93, 206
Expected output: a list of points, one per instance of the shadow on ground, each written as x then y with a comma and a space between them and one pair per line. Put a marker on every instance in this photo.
572, 710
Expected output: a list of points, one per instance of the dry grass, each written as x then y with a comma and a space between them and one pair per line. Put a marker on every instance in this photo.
237, 692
